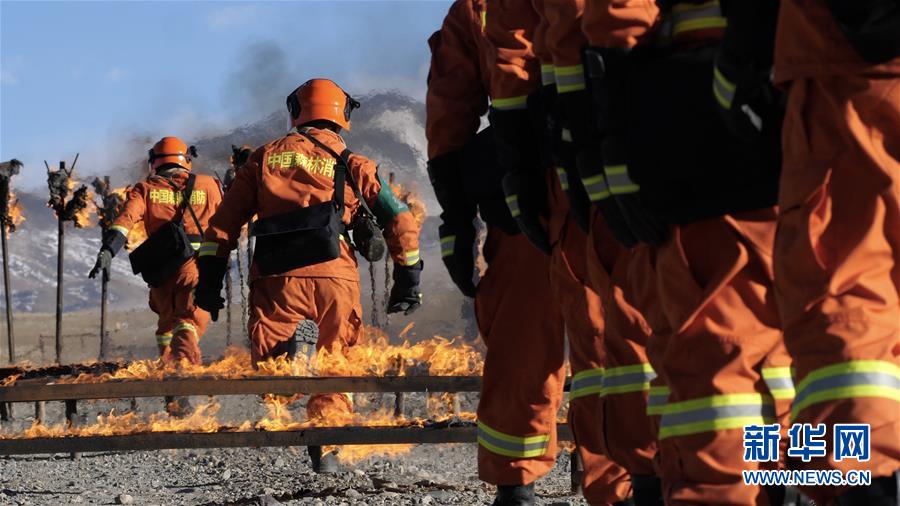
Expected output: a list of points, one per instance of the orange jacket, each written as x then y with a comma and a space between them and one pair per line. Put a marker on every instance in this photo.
155, 203
810, 44
292, 172
618, 23
482, 50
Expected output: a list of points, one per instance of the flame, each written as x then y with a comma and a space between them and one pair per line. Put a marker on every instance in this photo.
84, 217
16, 215
410, 196
136, 236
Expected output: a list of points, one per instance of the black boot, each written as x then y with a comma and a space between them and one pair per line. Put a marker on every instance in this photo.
647, 490
322, 464
882, 492
514, 495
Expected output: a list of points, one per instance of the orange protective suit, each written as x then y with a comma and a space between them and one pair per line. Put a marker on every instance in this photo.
154, 202
279, 177
476, 54
837, 251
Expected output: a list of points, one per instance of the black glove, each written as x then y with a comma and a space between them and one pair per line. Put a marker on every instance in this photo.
104, 261
523, 184
405, 295
745, 98
458, 254
208, 295
590, 169
644, 225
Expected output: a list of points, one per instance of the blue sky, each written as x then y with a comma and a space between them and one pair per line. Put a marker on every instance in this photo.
93, 76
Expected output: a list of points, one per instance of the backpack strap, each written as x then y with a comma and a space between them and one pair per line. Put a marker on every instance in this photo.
186, 193
343, 161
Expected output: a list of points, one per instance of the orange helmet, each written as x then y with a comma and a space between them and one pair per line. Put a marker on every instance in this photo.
320, 99
171, 151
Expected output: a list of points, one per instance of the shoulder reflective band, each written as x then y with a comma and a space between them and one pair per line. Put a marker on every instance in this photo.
410, 258
723, 89
548, 76
497, 442
509, 104
715, 413
657, 400
563, 178
209, 248
569, 79
447, 245
619, 182
120, 229
689, 17
387, 205
848, 380
587, 382
627, 379
164, 339
780, 382
596, 187
513, 203
185, 326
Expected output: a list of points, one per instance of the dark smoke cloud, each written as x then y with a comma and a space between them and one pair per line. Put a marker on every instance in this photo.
263, 77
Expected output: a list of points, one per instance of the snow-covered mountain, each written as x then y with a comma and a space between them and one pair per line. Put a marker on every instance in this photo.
389, 128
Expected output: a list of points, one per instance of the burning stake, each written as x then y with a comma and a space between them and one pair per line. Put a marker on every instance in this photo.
8, 222
111, 204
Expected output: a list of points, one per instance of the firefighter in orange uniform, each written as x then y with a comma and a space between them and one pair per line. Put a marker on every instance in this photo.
158, 201
837, 250
306, 189
481, 52
706, 234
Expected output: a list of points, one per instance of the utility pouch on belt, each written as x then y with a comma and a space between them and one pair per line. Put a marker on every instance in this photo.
306, 236
159, 257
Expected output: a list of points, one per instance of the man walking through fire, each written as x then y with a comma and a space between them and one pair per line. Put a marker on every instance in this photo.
174, 205
308, 190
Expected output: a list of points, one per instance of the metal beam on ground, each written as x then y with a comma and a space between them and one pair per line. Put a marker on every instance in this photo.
40, 390
305, 437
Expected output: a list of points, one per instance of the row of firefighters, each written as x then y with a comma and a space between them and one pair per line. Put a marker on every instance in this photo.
702, 197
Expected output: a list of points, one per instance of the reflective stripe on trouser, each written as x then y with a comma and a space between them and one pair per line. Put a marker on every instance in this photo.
690, 17
512, 446
715, 413
627, 379
547, 74
569, 79
603, 481
164, 339
596, 187
173, 302
837, 259
619, 182
185, 326
511, 103
523, 374
714, 286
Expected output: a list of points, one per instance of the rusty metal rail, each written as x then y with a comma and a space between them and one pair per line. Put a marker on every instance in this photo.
316, 436
41, 390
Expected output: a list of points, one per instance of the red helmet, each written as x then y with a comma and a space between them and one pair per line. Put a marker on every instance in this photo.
171, 151
320, 99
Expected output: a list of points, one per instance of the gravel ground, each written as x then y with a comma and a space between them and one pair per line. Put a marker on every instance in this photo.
429, 474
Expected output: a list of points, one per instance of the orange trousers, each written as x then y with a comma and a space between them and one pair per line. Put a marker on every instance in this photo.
837, 260
181, 323
278, 303
630, 439
723, 361
603, 481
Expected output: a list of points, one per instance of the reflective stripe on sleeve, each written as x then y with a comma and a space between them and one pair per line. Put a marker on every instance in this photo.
507, 445
715, 413
627, 379
723, 89
563, 178
547, 75
596, 187
120, 229
509, 104
410, 258
209, 248
513, 203
569, 79
689, 17
779, 381
657, 399
619, 182
848, 380
447, 245
587, 382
